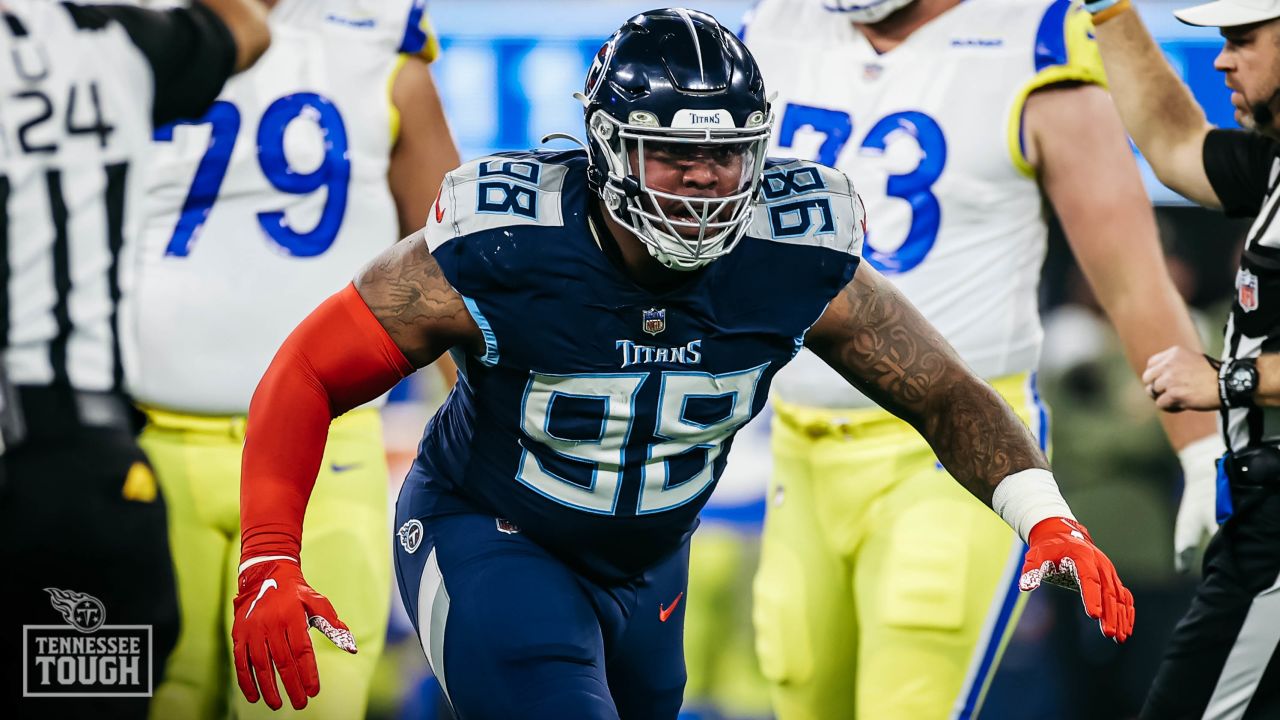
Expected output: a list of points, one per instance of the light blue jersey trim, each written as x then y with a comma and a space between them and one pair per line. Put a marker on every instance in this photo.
490, 340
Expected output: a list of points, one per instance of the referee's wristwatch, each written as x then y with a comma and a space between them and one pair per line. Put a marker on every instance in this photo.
1237, 382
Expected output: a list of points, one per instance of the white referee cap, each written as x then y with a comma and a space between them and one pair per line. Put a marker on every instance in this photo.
1229, 13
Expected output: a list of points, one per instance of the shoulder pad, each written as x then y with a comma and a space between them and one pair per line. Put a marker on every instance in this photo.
805, 203
494, 192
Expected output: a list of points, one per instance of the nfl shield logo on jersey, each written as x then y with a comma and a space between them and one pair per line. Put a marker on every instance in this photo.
655, 320
1247, 289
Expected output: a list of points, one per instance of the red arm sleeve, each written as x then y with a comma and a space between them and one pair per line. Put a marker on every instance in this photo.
338, 358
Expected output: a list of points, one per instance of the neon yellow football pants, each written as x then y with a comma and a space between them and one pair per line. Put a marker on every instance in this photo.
885, 590
346, 556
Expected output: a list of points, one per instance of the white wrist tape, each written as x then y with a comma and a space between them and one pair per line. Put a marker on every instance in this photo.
1025, 498
265, 558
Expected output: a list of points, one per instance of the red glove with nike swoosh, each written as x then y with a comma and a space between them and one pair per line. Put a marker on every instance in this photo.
274, 610
1063, 554
338, 358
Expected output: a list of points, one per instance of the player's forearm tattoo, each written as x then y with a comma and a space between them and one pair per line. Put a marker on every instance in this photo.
884, 346
408, 293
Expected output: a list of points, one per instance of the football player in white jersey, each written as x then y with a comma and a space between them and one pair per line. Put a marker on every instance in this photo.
955, 120
332, 149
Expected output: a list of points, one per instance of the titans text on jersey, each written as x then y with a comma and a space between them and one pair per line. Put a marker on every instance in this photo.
634, 353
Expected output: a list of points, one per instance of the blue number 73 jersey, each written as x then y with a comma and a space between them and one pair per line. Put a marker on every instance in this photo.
600, 415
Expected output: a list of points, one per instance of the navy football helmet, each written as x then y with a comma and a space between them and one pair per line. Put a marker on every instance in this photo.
675, 78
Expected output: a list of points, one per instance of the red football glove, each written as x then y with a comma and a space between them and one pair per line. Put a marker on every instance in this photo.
1063, 554
273, 611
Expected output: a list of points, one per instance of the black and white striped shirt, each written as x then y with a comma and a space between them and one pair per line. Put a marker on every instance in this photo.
81, 89
1244, 170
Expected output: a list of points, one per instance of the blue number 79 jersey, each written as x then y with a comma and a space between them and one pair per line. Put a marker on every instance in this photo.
600, 415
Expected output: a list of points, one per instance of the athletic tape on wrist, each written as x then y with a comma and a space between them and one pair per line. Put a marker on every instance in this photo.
1025, 498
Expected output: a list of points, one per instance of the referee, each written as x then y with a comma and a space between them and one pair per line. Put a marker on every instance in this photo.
83, 543
1222, 659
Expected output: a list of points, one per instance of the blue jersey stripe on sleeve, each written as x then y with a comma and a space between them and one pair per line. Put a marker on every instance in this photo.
1051, 39
415, 38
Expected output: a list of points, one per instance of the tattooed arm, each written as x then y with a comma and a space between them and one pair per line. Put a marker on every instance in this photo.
880, 343
357, 345
400, 314
415, 304
873, 336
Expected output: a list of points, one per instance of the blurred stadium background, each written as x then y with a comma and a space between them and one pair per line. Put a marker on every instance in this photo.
507, 74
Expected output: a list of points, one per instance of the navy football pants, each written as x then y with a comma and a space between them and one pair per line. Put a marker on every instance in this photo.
512, 632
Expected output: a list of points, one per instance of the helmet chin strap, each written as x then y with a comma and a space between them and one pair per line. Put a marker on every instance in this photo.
666, 260
631, 186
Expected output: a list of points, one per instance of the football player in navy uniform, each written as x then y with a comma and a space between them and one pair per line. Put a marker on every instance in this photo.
618, 313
